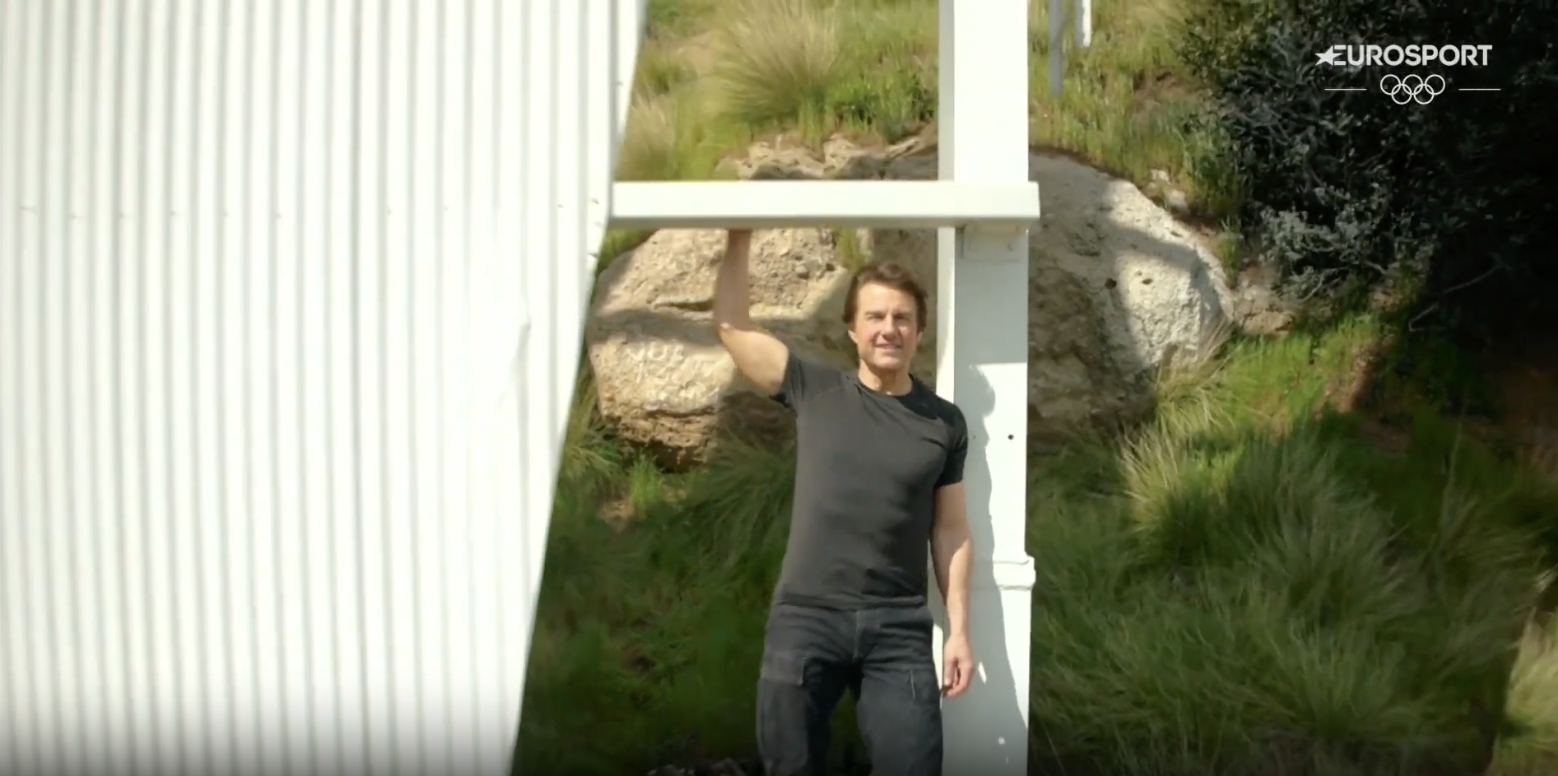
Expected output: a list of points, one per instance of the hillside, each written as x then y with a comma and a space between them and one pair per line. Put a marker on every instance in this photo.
1310, 559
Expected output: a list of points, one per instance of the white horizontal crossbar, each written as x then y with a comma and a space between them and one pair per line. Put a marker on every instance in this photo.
774, 204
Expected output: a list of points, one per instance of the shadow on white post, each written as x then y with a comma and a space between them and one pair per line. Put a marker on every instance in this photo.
982, 366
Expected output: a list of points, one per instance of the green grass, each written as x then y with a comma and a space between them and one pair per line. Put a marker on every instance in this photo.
1249, 586
1245, 585
1252, 583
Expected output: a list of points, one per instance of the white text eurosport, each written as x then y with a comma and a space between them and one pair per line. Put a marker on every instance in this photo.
1411, 55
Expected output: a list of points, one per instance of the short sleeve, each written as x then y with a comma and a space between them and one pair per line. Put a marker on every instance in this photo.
957, 452
803, 379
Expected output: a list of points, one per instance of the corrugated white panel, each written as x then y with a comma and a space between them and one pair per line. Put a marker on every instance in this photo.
291, 294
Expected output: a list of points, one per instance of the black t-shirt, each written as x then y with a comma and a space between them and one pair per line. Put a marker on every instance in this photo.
867, 470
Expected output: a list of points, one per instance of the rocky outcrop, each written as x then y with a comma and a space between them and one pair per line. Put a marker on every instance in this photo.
1118, 288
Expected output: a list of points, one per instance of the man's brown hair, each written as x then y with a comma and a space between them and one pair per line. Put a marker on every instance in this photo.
894, 276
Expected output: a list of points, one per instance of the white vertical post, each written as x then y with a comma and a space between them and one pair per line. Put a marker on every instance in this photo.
1083, 9
631, 22
1057, 45
982, 366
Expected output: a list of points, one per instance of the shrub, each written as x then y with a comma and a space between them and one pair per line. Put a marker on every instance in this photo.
1250, 591
1533, 707
1349, 186
1248, 610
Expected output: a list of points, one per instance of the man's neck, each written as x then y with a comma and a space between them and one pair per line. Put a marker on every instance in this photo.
890, 383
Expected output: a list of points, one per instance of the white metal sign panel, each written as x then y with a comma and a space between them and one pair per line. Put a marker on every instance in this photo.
290, 301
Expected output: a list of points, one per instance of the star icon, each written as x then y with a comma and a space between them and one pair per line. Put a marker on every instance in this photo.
1328, 57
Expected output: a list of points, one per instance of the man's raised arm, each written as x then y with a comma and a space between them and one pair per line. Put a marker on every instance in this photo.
760, 356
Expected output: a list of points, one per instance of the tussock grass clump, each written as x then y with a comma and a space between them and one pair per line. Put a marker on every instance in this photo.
663, 139
778, 59
1252, 592
1532, 750
1242, 608
866, 68
649, 149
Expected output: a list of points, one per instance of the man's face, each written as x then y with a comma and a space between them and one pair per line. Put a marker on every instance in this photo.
886, 328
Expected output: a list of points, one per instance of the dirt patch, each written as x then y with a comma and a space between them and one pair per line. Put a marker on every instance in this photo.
1523, 377
619, 513
1522, 371
700, 52
727, 767
1349, 392
1151, 90
1352, 392
1528, 386
1044, 149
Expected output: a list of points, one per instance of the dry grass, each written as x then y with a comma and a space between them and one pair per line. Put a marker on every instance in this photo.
649, 150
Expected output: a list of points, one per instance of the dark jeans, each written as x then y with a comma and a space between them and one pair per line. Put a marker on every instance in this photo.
882, 656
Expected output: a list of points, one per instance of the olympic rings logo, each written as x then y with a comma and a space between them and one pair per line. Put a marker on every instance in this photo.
1412, 87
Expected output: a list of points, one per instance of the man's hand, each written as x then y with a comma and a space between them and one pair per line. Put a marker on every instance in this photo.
957, 666
952, 549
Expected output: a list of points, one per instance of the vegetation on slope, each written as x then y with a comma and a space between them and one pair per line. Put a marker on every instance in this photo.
714, 76
1264, 579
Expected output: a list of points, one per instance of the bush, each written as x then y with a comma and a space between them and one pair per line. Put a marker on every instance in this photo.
1349, 188
1247, 607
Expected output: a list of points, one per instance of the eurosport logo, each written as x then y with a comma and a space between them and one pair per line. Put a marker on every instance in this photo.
1409, 88
1410, 55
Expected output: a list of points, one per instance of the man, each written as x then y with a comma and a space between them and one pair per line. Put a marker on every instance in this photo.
879, 476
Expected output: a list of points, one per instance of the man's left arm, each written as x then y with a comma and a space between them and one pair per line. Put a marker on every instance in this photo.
952, 552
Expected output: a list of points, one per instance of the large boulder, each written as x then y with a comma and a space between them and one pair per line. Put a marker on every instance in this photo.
1117, 289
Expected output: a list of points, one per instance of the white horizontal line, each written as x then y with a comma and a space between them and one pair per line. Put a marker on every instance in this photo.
1350, 89
1479, 90
783, 203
